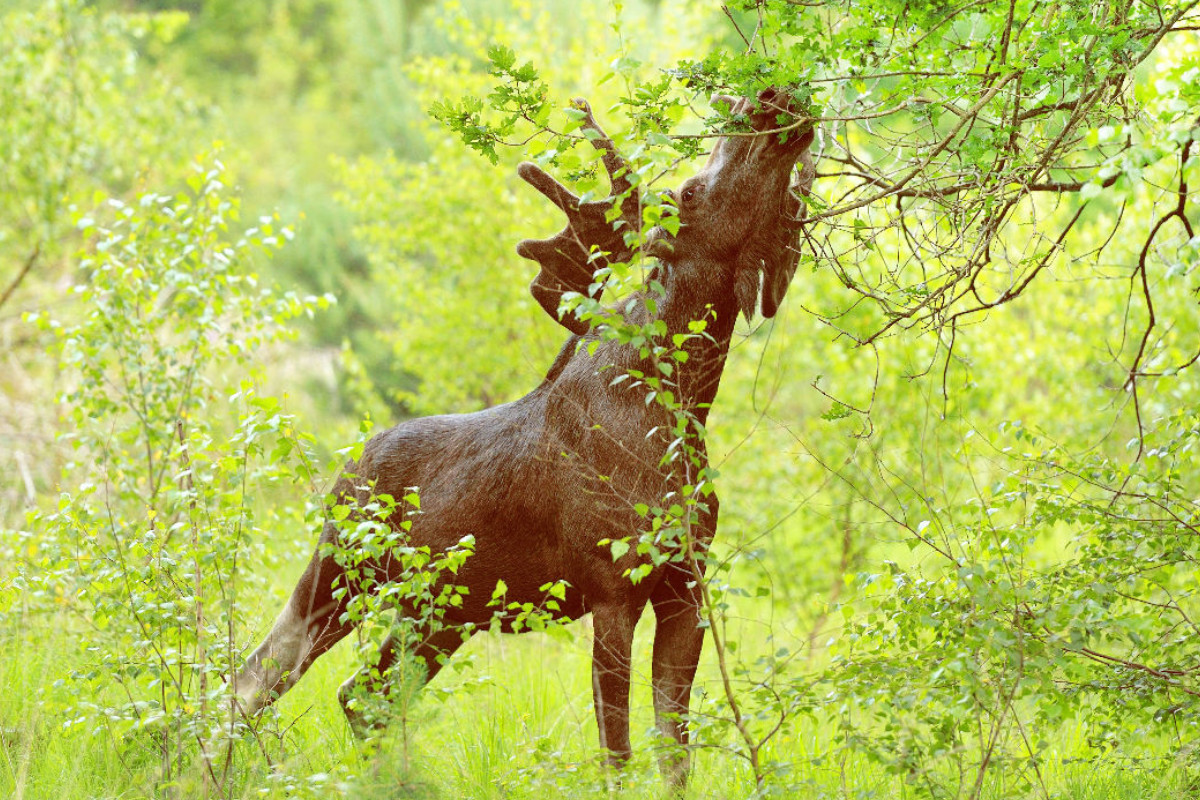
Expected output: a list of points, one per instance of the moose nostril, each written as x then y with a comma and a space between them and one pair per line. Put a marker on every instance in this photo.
767, 96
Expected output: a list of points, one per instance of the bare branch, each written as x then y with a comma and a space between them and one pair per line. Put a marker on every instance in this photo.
25, 268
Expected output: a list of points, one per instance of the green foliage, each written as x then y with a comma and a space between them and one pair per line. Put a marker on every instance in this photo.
143, 550
384, 572
958, 131
912, 593
64, 76
520, 96
1055, 594
75, 118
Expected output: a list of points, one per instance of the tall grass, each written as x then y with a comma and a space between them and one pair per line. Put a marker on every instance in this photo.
511, 719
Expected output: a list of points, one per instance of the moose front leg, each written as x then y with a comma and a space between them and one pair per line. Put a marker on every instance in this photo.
678, 639
611, 652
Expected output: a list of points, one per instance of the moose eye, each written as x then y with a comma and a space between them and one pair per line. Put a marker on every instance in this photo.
689, 194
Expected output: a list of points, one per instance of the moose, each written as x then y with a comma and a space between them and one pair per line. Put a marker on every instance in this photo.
543, 482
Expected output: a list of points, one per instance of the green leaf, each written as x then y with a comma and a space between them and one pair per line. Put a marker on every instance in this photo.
836, 411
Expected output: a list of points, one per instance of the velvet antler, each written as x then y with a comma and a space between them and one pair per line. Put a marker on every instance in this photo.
589, 241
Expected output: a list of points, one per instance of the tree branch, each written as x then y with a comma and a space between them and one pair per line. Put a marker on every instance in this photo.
25, 268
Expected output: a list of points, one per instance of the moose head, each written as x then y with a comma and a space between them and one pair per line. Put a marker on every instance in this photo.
544, 482
740, 215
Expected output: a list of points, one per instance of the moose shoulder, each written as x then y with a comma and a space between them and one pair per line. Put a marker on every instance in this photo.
539, 482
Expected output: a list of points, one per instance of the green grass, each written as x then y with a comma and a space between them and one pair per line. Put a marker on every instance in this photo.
511, 719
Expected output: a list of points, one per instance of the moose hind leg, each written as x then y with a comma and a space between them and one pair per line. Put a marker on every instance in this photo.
678, 639
309, 625
427, 652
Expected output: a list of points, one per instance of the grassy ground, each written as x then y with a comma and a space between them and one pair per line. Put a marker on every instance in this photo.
513, 720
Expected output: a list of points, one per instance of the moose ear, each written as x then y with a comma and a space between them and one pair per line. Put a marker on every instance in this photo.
778, 254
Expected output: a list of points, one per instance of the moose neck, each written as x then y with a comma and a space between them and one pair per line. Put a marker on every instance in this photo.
699, 290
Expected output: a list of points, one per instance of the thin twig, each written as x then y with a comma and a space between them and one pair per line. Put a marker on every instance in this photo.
25, 268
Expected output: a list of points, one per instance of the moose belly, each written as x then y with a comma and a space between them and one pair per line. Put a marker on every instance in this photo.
553, 560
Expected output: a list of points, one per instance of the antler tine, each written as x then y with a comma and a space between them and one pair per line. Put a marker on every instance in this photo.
545, 183
614, 163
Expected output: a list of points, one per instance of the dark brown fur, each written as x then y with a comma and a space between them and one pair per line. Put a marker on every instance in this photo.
538, 482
